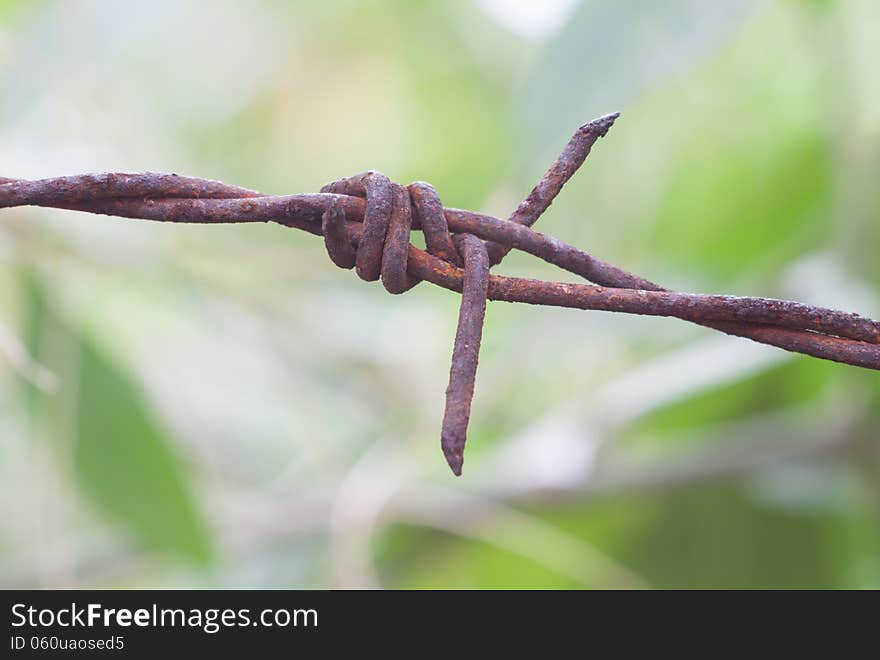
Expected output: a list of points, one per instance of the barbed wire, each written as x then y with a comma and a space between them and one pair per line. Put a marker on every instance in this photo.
366, 221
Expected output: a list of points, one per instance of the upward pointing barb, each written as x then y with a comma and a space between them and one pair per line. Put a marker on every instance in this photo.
557, 175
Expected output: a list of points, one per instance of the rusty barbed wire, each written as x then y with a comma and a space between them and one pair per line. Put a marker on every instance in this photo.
366, 221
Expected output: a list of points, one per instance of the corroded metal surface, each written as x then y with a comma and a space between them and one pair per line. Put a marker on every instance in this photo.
366, 222
466, 350
563, 168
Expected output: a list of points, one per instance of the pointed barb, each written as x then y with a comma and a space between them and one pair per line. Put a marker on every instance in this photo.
466, 349
572, 157
601, 125
454, 456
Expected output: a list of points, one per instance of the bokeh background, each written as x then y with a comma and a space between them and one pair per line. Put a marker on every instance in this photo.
195, 406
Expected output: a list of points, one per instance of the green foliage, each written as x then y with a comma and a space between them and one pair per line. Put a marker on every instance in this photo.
440, 561
796, 383
9, 9
769, 214
127, 466
123, 462
720, 537
612, 53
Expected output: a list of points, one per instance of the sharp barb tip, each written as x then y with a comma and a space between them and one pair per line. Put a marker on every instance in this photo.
602, 124
455, 460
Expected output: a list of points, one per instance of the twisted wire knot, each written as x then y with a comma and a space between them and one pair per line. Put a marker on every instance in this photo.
381, 250
390, 213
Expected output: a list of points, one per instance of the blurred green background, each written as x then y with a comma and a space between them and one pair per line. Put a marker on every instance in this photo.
221, 407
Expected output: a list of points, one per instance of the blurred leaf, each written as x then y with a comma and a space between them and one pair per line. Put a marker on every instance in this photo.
126, 465
9, 7
716, 536
417, 558
123, 462
769, 191
14, 13
426, 109
35, 322
787, 385
720, 535
610, 52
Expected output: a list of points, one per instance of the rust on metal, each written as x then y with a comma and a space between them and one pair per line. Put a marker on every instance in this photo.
366, 221
394, 254
429, 210
376, 188
336, 241
563, 168
466, 350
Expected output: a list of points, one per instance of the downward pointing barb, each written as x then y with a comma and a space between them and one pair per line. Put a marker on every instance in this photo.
466, 350
454, 456
478, 258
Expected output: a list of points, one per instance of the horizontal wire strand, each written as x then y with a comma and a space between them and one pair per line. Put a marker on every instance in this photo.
366, 222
